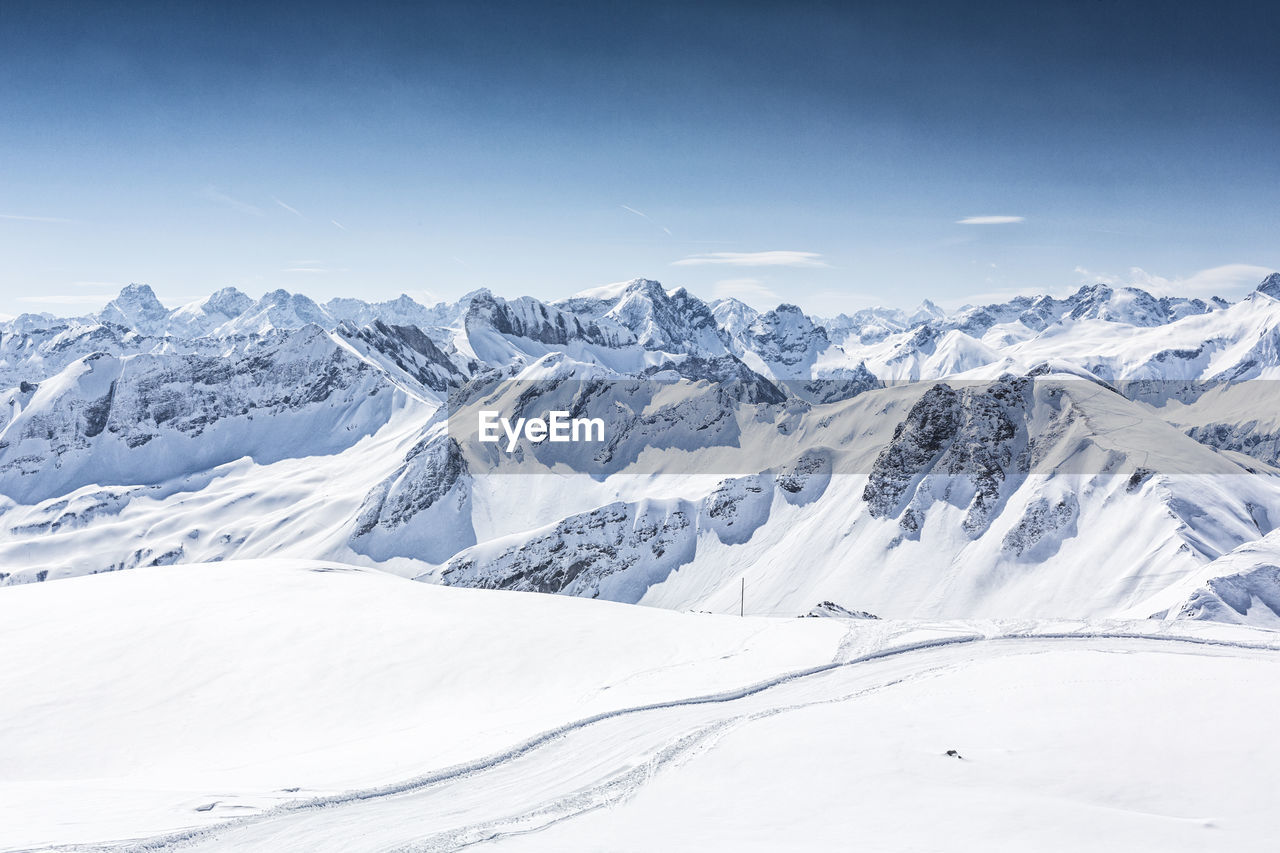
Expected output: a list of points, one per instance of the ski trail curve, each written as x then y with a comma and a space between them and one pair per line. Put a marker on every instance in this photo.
658, 733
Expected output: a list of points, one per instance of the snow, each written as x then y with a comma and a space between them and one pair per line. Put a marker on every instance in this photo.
272, 471
229, 683
305, 705
604, 291
1059, 750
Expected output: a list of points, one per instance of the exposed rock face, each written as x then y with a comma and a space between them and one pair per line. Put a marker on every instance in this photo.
837, 385
620, 550
1043, 521
785, 337
917, 443
422, 510
433, 468
584, 553
679, 322
1270, 285
137, 308
830, 610
969, 441
409, 349
107, 420
528, 318
1247, 438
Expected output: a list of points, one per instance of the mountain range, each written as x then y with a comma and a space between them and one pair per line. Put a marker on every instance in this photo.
1113, 454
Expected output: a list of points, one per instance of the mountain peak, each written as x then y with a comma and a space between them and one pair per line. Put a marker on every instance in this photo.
136, 307
137, 291
229, 300
1270, 285
648, 286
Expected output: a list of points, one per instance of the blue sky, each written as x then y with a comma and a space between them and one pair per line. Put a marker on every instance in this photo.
822, 153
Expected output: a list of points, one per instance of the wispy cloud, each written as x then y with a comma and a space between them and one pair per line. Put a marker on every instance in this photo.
990, 220
339, 224
69, 298
214, 194
288, 207
749, 290
313, 267
25, 218
645, 216
1225, 280
755, 259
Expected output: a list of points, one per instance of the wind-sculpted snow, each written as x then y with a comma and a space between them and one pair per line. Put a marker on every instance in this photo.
1239, 587
77, 511
1251, 597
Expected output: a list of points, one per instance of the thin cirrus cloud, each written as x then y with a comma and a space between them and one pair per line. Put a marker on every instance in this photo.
212, 193
648, 218
288, 207
25, 218
68, 298
313, 267
754, 259
990, 220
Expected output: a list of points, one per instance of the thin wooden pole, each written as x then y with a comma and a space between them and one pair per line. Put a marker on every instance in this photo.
742, 599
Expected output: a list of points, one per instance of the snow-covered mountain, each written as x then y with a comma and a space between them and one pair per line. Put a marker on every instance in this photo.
1110, 453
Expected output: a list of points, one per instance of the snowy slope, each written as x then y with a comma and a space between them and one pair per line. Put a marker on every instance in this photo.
931, 500
313, 706
1060, 749
187, 695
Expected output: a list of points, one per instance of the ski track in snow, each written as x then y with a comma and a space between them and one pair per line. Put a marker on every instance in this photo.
604, 770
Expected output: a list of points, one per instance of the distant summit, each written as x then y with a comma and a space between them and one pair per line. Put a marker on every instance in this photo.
1271, 285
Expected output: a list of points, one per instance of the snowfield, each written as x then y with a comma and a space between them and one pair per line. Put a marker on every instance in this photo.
304, 705
139, 702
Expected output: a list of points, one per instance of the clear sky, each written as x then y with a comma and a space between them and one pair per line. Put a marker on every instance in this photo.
821, 153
